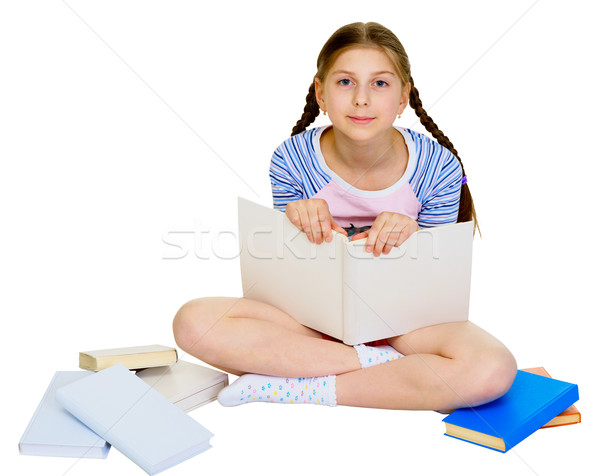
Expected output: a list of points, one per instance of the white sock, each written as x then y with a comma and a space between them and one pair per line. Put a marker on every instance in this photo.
264, 388
380, 354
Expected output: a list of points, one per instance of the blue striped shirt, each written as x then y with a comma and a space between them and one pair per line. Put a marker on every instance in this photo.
428, 192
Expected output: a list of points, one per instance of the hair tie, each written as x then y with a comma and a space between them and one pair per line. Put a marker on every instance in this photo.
464, 180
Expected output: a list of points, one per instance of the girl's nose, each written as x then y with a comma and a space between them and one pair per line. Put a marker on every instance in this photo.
361, 96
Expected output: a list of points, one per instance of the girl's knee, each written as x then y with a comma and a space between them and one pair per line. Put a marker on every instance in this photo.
190, 323
181, 326
492, 375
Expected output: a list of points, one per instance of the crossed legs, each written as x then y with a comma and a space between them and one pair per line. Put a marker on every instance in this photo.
445, 367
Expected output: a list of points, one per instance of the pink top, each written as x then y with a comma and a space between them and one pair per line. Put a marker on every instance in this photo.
352, 208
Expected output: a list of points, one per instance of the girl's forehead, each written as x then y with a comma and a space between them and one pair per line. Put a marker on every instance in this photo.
361, 59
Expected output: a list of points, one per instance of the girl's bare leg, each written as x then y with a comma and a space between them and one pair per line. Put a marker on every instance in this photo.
241, 335
446, 366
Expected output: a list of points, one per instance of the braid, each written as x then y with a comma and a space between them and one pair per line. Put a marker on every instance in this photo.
417, 105
311, 111
466, 209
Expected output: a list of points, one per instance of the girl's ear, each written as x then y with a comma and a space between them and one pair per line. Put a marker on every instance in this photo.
319, 93
405, 98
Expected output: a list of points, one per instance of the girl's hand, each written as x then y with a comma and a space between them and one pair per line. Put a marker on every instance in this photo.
388, 230
312, 216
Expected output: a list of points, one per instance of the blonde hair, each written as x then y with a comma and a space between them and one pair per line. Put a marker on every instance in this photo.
374, 35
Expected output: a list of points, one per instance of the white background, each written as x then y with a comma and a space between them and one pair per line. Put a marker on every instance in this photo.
124, 123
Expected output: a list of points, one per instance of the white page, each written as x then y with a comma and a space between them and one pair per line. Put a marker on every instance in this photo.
424, 282
281, 267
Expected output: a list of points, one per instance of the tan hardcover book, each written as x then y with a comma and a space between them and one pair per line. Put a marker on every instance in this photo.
185, 384
139, 357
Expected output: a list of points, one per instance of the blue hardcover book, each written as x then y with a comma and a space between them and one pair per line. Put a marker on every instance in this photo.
53, 431
531, 402
134, 418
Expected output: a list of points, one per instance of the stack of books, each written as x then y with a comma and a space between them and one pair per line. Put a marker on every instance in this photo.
135, 399
534, 401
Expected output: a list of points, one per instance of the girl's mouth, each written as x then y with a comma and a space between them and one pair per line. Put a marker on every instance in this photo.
361, 119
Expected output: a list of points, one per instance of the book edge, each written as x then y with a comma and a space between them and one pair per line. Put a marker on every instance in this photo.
37, 410
164, 358
473, 443
571, 413
218, 386
180, 397
539, 419
477, 437
117, 351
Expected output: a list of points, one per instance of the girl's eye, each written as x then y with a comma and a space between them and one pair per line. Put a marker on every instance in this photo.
347, 82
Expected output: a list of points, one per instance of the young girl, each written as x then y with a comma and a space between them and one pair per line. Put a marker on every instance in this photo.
361, 174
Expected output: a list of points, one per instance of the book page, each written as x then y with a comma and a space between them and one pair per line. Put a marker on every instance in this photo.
423, 282
140, 349
281, 267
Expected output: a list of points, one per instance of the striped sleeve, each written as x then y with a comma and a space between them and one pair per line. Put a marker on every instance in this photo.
285, 185
440, 203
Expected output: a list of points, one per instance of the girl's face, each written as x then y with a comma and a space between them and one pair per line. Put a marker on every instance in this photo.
362, 93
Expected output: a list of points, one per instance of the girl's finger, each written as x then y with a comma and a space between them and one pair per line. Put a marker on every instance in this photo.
324, 220
382, 238
305, 223
402, 235
358, 236
372, 237
395, 236
380, 242
292, 213
374, 243
388, 239
315, 226
387, 248
336, 227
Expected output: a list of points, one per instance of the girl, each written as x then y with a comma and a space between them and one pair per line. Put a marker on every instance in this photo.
359, 174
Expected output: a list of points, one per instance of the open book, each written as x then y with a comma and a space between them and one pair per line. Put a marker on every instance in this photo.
341, 290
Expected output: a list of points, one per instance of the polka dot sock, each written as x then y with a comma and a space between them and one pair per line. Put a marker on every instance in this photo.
380, 354
263, 388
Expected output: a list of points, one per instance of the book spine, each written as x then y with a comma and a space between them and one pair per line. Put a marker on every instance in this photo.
350, 322
570, 396
37, 410
80, 413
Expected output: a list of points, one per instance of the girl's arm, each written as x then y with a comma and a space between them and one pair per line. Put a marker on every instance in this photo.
440, 202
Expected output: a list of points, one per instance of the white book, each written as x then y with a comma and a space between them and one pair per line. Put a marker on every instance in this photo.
53, 431
185, 384
134, 418
339, 289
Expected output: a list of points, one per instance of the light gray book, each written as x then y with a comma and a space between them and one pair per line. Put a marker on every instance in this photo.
134, 418
341, 290
53, 431
187, 385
